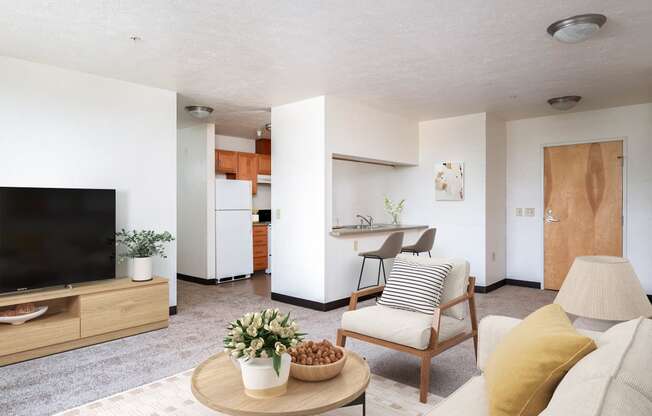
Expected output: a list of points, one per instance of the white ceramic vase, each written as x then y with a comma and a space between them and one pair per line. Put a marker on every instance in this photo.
261, 381
142, 269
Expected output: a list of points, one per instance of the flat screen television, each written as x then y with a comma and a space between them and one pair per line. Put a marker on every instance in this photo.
52, 236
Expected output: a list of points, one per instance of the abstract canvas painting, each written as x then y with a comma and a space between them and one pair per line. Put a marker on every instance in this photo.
449, 181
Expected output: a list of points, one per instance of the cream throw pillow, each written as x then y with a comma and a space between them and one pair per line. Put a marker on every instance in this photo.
522, 372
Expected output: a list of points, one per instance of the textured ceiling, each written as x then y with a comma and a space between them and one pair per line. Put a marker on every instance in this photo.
424, 59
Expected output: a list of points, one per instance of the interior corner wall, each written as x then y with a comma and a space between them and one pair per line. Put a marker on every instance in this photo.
460, 224
299, 199
496, 194
525, 139
195, 201
93, 132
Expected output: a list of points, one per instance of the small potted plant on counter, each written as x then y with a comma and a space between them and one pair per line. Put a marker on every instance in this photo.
394, 210
260, 342
141, 246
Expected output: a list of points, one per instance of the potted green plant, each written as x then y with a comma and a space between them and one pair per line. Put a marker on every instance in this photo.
260, 342
394, 210
141, 246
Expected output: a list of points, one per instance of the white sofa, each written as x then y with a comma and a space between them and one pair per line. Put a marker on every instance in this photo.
613, 380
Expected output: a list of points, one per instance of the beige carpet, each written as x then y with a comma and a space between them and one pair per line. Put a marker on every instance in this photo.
98, 371
171, 396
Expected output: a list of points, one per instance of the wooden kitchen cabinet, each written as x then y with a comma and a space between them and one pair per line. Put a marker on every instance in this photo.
264, 146
248, 169
260, 246
243, 166
226, 161
264, 164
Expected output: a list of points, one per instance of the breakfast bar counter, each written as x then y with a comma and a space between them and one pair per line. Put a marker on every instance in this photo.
350, 230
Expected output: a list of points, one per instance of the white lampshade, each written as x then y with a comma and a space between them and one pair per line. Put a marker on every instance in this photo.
603, 287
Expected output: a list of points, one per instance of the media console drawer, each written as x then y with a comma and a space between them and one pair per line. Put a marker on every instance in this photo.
121, 309
41, 332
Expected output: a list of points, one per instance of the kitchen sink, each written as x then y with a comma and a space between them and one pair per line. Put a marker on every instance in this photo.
361, 227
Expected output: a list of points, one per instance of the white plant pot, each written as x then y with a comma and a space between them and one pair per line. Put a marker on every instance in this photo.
142, 269
260, 379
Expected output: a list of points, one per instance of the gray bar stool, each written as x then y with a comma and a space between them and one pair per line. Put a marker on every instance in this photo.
390, 248
424, 243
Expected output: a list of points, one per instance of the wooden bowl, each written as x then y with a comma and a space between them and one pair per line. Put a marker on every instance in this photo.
318, 372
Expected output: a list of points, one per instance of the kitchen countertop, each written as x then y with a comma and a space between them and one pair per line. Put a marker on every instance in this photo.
380, 228
259, 223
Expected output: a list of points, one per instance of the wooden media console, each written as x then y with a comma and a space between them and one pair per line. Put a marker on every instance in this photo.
86, 314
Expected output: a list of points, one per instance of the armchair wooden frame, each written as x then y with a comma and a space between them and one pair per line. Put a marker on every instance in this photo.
434, 347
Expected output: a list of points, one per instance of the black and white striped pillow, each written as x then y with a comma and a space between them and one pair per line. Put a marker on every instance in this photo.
414, 286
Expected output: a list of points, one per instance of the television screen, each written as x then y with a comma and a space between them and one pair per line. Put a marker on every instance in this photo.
51, 237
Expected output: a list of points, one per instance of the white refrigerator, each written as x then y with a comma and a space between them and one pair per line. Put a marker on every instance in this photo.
233, 233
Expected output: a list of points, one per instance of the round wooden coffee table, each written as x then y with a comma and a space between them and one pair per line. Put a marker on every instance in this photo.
217, 384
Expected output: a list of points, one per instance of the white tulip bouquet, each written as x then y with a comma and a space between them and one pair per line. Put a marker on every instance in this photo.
265, 334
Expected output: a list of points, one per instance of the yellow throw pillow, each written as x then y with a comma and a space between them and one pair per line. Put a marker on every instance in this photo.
523, 371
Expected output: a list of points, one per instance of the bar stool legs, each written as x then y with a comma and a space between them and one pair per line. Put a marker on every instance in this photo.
381, 266
390, 248
361, 270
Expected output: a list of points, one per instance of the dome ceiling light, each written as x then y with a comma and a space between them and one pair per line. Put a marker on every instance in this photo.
199, 111
576, 28
564, 103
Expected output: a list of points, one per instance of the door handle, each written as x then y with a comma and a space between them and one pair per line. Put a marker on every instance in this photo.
549, 217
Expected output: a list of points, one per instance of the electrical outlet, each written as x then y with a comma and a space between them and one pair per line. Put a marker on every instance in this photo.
519, 212
278, 214
493, 256
529, 212
355, 245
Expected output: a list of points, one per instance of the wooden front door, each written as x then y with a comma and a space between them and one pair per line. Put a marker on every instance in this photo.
583, 205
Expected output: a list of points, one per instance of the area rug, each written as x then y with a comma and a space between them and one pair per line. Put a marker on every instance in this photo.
171, 396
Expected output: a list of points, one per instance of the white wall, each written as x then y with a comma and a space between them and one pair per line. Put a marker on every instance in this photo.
263, 197
360, 132
359, 188
299, 197
237, 144
525, 139
63, 128
496, 194
196, 201
460, 224
357, 130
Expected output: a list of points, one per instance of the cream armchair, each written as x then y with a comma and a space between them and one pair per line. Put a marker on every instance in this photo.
424, 336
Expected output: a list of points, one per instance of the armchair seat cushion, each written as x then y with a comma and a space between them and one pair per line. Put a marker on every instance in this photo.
411, 329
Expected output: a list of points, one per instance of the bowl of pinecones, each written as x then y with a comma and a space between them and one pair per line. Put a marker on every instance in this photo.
19, 314
316, 361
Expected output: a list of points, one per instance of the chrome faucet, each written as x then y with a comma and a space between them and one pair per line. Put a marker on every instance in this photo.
369, 220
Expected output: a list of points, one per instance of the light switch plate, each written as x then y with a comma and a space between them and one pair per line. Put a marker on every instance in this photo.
278, 214
519, 212
355, 245
529, 212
